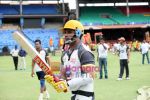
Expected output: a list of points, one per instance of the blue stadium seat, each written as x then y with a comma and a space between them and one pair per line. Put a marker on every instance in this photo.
9, 9
7, 39
28, 9
39, 9
43, 34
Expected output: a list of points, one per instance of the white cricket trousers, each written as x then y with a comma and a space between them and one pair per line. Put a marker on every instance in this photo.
22, 64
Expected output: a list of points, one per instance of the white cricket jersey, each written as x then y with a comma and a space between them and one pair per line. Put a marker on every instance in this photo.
123, 51
144, 47
75, 65
15, 52
102, 53
43, 55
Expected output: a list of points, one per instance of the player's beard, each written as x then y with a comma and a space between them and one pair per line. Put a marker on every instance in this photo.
38, 49
70, 40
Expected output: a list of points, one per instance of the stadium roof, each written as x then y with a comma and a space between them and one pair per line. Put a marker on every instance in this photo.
109, 1
116, 26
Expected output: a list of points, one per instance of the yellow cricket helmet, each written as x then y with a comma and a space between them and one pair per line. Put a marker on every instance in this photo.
75, 25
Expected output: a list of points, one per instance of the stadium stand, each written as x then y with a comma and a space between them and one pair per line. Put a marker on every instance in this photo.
136, 9
39, 9
93, 16
28, 9
33, 15
7, 39
43, 34
9, 9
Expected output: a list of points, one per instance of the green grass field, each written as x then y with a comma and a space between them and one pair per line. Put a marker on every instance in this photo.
19, 85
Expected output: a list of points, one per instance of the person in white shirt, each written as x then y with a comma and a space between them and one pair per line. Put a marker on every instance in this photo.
14, 54
102, 57
80, 81
144, 50
124, 53
40, 74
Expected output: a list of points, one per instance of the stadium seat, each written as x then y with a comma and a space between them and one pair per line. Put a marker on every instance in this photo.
39, 9
28, 9
9, 9
43, 34
93, 16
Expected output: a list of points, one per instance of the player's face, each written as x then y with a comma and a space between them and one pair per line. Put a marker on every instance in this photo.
37, 45
122, 42
68, 34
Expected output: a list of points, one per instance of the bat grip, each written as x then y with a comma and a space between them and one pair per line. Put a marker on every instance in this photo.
56, 79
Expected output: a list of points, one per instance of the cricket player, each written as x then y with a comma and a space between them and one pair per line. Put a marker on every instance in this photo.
124, 54
75, 61
40, 74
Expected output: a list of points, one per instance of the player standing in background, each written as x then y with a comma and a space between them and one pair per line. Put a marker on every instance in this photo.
102, 56
14, 54
144, 50
40, 74
124, 53
22, 61
78, 57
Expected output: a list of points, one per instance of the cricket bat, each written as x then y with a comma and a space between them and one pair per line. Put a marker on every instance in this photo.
25, 44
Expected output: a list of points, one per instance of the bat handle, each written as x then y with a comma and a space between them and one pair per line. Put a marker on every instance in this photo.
56, 83
56, 79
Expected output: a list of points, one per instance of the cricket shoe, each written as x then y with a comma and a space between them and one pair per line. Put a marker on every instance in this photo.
41, 96
47, 95
127, 78
119, 79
